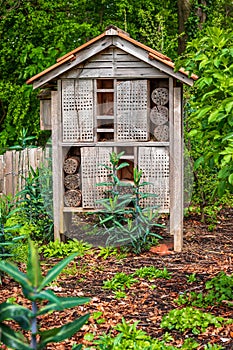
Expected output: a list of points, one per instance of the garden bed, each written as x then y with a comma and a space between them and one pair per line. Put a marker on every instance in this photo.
205, 254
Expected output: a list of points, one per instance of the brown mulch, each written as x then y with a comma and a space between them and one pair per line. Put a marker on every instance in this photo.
205, 253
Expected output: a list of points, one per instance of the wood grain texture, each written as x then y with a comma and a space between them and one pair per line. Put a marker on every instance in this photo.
176, 184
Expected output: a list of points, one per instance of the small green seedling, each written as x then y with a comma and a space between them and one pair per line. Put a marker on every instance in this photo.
150, 272
191, 278
120, 282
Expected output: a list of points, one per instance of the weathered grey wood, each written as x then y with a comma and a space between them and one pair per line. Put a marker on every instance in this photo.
70, 210
119, 73
171, 150
113, 63
16, 173
45, 114
176, 184
8, 172
82, 56
114, 143
56, 161
14, 167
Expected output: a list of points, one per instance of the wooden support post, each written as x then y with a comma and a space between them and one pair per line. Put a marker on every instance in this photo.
56, 162
176, 174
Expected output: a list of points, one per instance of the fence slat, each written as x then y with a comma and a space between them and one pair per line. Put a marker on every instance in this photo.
14, 166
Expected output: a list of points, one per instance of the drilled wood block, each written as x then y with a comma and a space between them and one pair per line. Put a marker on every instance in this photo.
154, 161
132, 109
93, 172
77, 110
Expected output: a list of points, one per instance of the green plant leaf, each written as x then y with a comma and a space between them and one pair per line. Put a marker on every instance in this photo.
12, 339
61, 333
64, 303
230, 179
33, 266
55, 271
203, 111
17, 313
229, 106
45, 295
16, 274
122, 165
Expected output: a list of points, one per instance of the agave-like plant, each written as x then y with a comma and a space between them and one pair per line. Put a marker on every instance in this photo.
33, 286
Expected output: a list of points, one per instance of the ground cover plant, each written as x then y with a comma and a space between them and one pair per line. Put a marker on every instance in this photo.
139, 313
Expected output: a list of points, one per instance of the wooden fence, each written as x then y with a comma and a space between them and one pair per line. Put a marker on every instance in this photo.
15, 165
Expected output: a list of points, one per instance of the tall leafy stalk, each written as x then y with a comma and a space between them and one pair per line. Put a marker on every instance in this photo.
33, 285
123, 217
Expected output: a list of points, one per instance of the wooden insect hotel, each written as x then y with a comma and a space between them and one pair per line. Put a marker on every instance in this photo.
114, 94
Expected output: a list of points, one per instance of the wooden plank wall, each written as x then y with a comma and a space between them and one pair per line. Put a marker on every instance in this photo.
14, 166
113, 62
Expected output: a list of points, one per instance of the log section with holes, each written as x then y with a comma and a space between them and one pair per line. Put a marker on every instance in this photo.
71, 165
72, 182
73, 198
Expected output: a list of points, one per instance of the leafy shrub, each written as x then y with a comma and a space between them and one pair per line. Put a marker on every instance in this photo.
58, 249
33, 286
190, 319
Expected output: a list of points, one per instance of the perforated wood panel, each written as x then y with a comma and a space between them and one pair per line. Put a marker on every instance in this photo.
77, 110
132, 103
93, 173
154, 161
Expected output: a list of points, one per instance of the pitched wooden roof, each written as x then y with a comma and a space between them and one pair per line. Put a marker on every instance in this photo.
77, 55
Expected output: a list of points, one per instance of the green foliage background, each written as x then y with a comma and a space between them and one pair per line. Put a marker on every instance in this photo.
33, 34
